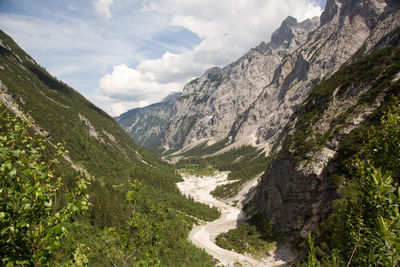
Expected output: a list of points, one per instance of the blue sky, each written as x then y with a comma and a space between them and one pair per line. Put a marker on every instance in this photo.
122, 54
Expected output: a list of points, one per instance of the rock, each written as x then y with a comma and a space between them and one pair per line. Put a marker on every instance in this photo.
147, 125
251, 100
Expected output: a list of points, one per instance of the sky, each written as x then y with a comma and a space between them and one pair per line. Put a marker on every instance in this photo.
123, 54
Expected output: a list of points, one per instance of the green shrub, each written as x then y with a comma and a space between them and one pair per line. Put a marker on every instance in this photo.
32, 222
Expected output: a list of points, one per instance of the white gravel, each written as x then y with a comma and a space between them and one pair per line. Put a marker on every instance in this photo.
203, 236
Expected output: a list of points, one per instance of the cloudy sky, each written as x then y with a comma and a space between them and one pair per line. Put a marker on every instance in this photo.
123, 54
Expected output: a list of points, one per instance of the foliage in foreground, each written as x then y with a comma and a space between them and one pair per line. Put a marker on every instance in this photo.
32, 223
364, 229
42, 221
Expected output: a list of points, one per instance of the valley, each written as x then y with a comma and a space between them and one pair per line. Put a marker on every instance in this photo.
288, 155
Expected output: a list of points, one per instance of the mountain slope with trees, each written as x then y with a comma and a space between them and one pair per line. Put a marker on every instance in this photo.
126, 225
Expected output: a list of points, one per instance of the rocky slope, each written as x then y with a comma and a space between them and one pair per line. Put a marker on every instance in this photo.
147, 125
251, 100
211, 104
345, 26
297, 189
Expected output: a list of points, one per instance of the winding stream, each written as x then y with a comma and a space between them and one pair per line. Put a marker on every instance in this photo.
203, 236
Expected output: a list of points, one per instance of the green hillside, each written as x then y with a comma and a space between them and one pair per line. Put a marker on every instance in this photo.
101, 150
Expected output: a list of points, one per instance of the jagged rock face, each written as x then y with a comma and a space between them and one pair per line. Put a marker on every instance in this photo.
252, 99
343, 31
211, 104
297, 194
295, 202
296, 191
147, 125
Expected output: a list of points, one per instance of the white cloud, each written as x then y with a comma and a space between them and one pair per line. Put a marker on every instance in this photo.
70, 41
103, 7
126, 88
72, 7
227, 28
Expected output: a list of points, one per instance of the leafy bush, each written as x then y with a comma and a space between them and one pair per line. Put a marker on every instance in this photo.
364, 229
32, 222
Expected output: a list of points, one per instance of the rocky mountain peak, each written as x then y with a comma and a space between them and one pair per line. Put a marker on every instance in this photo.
213, 71
171, 97
252, 99
290, 29
284, 32
370, 10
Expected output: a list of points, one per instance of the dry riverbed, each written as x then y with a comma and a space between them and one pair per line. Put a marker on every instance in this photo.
203, 236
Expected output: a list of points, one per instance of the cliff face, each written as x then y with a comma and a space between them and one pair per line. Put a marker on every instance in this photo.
147, 125
212, 105
297, 190
343, 31
251, 100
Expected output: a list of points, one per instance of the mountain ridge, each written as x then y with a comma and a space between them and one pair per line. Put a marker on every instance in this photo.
250, 100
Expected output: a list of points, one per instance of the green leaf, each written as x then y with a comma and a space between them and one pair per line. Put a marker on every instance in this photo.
13, 172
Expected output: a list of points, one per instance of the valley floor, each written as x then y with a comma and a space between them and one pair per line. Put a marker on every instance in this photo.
203, 236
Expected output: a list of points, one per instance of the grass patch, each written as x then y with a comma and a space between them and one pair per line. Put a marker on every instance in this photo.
256, 236
196, 170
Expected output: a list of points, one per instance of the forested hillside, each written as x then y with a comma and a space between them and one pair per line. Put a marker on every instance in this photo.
136, 213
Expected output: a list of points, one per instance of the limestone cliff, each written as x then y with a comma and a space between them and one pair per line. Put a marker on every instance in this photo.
345, 27
212, 105
297, 189
251, 100
147, 125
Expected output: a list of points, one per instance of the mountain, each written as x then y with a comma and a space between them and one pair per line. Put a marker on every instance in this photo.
100, 150
297, 189
147, 125
212, 105
251, 100
309, 100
